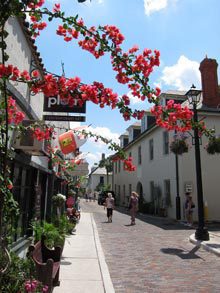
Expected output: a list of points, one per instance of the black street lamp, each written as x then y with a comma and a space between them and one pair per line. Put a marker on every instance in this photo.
178, 210
201, 233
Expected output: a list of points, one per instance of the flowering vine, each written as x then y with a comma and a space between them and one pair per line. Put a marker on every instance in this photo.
132, 68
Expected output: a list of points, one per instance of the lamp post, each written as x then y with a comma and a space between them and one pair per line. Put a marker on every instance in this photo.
178, 211
201, 233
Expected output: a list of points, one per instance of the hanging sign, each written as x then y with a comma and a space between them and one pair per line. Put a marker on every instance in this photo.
64, 118
56, 104
70, 141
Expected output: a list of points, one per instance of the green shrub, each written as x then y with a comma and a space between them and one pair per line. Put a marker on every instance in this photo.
18, 272
52, 234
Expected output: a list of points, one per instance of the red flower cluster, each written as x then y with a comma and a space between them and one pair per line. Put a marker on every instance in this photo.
173, 116
68, 34
35, 286
114, 34
132, 69
12, 72
35, 4
14, 116
56, 7
43, 134
128, 165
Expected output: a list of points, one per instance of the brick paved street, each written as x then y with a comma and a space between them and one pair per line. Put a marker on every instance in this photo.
153, 256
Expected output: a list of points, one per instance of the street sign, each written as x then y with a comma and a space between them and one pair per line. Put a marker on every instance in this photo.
64, 118
56, 104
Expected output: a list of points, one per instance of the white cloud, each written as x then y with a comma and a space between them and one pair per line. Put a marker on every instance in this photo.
92, 157
182, 74
95, 149
151, 6
134, 100
106, 133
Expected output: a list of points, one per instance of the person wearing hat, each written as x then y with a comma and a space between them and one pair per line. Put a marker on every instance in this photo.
133, 206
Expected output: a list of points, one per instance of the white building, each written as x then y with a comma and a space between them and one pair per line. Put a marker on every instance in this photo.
156, 178
34, 181
98, 177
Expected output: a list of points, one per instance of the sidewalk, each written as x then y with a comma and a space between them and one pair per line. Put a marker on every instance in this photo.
83, 267
213, 245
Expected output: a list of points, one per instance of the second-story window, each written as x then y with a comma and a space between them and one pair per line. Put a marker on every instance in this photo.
151, 149
139, 155
119, 166
165, 142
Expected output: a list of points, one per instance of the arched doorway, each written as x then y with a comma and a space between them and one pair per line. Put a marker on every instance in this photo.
141, 198
140, 189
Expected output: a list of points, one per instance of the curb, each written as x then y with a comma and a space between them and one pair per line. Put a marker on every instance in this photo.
107, 282
204, 244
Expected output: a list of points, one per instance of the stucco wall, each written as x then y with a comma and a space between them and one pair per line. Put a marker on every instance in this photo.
20, 55
163, 167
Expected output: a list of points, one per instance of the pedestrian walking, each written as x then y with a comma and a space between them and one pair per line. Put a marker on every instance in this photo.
90, 195
109, 205
133, 206
189, 208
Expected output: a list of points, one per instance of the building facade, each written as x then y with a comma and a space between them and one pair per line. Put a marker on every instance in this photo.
99, 178
34, 179
155, 178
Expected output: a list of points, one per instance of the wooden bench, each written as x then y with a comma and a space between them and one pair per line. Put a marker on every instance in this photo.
47, 263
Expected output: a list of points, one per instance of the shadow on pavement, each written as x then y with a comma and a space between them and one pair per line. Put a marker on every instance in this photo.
182, 253
163, 223
166, 223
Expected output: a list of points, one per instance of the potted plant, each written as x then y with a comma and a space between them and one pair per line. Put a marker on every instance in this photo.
58, 202
53, 236
179, 145
213, 146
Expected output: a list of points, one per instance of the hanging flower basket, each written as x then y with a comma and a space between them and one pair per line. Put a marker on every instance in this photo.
213, 146
179, 146
59, 199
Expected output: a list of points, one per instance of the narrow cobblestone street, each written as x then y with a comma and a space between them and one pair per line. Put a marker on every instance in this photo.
155, 255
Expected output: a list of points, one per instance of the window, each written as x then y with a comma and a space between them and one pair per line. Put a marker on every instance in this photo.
101, 180
116, 169
119, 166
136, 132
151, 149
165, 142
125, 141
124, 194
119, 192
167, 195
24, 194
139, 155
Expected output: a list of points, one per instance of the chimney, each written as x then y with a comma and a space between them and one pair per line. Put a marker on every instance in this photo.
208, 69
103, 156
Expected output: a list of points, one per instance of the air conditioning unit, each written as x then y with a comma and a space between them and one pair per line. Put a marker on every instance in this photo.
27, 143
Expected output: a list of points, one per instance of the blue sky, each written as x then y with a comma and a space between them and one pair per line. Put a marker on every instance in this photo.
184, 31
